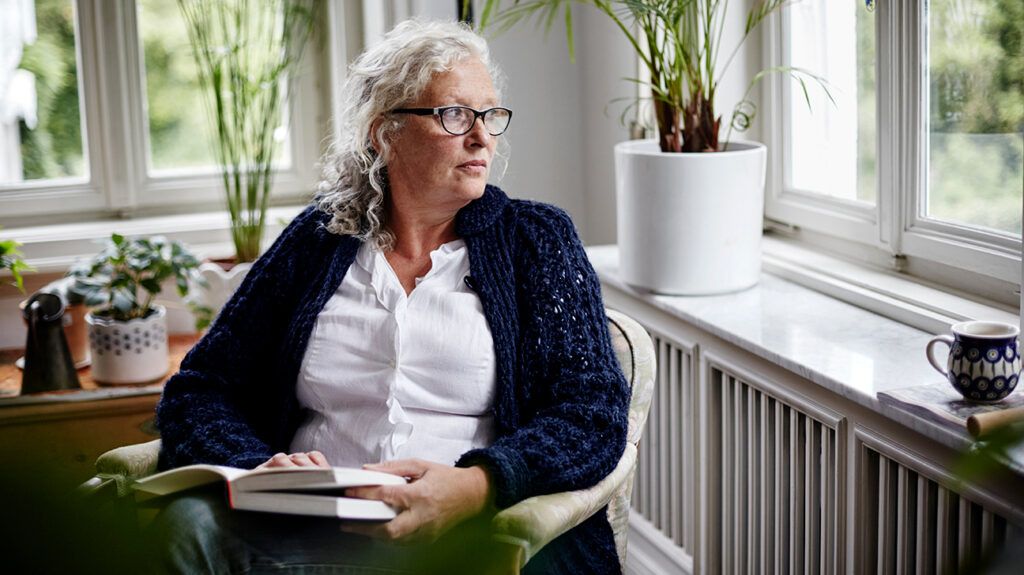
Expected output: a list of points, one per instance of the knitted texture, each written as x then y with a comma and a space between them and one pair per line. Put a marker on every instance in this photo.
561, 402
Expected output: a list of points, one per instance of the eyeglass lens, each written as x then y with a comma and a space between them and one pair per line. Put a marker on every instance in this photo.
459, 120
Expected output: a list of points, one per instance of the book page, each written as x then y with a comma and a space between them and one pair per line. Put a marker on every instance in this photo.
311, 478
182, 478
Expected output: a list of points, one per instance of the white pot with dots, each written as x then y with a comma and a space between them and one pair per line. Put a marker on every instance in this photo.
129, 351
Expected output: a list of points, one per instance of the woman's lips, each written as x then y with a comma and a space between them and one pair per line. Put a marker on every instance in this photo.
474, 167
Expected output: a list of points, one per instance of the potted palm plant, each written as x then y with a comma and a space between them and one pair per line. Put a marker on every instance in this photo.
247, 57
690, 202
127, 329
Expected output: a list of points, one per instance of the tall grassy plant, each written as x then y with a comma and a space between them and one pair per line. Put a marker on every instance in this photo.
679, 42
247, 53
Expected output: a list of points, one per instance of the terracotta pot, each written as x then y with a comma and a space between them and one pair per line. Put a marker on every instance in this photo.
76, 329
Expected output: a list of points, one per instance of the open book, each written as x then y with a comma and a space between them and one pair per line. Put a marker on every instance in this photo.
293, 490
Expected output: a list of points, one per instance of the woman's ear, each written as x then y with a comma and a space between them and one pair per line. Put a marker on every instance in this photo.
374, 142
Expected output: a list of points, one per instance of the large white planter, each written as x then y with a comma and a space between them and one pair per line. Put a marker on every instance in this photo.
129, 351
690, 224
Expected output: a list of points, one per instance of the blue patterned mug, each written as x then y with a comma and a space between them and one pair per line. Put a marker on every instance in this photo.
984, 362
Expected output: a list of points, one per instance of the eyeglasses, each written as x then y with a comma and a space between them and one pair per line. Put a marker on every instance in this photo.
459, 120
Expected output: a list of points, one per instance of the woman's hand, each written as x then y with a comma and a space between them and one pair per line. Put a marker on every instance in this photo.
308, 459
437, 498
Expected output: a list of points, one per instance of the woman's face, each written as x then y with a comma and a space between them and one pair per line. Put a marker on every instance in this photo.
430, 167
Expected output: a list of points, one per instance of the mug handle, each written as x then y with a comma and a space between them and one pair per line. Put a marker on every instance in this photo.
946, 339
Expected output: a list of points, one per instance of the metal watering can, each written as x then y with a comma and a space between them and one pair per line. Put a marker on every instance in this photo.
48, 363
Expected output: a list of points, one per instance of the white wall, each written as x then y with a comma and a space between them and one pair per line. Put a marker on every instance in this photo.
543, 90
605, 58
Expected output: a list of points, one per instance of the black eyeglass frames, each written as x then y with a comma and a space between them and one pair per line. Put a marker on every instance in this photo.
459, 120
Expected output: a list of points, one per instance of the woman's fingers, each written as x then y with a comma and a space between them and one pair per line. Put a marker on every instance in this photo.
302, 460
411, 468
278, 460
310, 459
396, 496
318, 458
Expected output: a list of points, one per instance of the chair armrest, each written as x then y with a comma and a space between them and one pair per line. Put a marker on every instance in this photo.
122, 466
533, 523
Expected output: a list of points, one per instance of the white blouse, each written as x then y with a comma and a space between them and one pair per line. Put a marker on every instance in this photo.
390, 376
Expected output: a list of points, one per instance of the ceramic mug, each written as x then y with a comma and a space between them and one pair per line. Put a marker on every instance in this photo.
984, 362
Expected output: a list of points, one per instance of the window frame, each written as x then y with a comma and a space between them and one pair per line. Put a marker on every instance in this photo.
895, 230
114, 129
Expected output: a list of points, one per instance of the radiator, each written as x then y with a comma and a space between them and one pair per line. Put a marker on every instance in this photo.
777, 483
774, 471
916, 525
778, 493
663, 490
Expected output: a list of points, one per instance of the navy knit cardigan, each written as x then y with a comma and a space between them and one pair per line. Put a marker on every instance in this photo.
561, 403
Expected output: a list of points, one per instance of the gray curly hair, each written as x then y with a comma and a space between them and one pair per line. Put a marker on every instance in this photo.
353, 183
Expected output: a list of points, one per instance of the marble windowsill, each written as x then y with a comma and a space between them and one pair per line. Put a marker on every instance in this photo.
848, 350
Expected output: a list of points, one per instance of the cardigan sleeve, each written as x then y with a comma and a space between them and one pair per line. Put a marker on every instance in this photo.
574, 428
211, 409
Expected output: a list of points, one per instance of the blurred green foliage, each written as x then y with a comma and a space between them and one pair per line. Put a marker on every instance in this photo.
976, 112
180, 135
54, 148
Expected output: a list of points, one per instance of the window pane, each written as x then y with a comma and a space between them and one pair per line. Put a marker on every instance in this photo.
832, 146
40, 120
180, 135
976, 113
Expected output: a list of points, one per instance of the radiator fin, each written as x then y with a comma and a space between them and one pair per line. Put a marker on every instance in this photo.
779, 496
663, 490
917, 525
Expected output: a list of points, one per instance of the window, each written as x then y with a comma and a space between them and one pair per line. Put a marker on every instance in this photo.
921, 156
975, 114
40, 115
172, 92
115, 122
175, 117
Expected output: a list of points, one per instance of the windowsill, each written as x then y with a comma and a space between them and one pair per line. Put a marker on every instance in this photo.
896, 296
54, 248
837, 337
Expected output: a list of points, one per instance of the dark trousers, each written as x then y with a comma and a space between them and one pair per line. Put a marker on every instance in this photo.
196, 532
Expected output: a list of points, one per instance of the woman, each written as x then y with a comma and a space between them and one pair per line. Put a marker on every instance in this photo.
412, 318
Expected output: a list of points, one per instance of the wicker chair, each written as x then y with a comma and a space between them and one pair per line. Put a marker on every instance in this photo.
527, 525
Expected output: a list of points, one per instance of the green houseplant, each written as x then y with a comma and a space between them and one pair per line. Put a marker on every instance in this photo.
247, 55
679, 42
12, 259
690, 204
127, 329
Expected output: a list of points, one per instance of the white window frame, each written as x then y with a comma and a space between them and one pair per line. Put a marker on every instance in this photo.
895, 230
114, 130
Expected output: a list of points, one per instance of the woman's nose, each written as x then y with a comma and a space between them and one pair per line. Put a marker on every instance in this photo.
478, 134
